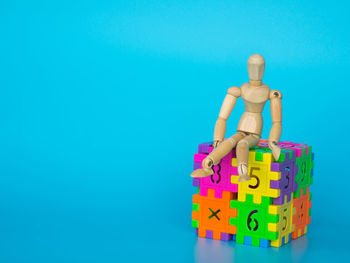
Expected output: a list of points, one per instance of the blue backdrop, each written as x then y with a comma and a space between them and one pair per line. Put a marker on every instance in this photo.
103, 104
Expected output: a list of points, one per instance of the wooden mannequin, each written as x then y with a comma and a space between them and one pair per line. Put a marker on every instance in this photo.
254, 95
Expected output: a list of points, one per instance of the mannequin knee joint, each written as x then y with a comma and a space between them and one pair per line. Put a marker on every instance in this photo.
242, 144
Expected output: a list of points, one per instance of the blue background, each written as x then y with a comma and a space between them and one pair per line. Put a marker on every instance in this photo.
103, 104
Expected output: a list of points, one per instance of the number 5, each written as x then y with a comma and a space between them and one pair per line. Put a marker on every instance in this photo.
254, 176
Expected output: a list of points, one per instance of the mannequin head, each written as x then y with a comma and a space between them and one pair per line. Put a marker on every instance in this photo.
256, 67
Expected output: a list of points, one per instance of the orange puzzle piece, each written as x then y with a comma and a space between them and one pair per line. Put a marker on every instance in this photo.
212, 215
302, 216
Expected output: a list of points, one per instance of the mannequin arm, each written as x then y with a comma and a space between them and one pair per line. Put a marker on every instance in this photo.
227, 106
276, 129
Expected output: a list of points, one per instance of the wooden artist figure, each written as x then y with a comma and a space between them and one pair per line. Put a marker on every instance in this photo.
254, 94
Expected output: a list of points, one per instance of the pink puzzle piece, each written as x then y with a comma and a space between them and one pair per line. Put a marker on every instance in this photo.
297, 147
220, 180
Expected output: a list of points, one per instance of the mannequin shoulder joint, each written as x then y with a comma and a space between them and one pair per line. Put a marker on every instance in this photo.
234, 91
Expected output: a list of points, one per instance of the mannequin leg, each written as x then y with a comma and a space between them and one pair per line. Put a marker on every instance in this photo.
217, 154
242, 152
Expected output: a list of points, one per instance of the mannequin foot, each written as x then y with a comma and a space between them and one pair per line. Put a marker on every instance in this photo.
202, 172
243, 173
244, 178
207, 170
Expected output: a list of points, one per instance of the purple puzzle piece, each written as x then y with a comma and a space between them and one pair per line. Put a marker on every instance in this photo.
196, 182
209, 234
226, 237
204, 148
196, 165
286, 184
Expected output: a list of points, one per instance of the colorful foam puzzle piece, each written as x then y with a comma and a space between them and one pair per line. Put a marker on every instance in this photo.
221, 179
302, 216
252, 221
297, 147
304, 175
211, 215
284, 226
262, 224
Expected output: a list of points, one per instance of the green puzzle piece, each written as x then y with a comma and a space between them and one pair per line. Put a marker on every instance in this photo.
303, 177
252, 220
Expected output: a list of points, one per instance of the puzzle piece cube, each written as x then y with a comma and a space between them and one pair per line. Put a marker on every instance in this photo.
210, 215
268, 210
